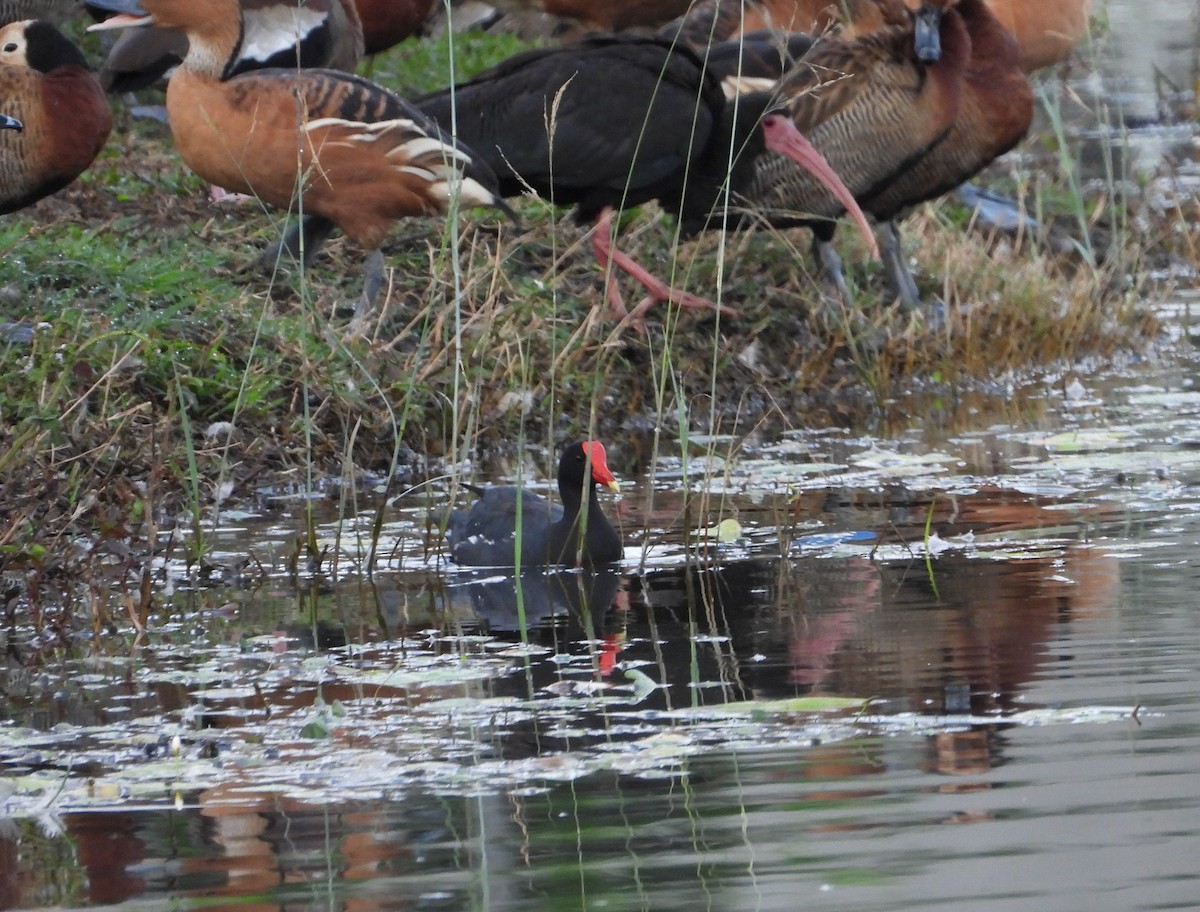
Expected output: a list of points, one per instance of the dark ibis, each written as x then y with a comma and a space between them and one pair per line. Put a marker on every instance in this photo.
613, 122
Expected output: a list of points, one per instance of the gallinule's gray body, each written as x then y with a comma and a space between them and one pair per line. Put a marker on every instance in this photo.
486, 534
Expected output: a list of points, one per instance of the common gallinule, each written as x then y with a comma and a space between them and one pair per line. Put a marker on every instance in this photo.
486, 534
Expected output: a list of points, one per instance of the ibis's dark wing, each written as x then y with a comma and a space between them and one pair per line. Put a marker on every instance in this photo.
610, 121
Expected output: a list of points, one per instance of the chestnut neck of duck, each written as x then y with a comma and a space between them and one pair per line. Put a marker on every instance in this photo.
994, 50
214, 30
955, 41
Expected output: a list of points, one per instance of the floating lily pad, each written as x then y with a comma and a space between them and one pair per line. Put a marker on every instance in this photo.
1088, 440
793, 706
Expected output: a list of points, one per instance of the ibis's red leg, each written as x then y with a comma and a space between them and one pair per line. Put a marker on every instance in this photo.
659, 290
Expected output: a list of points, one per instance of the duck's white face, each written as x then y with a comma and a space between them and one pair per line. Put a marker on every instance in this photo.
14, 46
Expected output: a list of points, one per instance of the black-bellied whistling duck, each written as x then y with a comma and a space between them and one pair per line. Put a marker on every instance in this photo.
45, 83
486, 535
611, 15
613, 122
330, 144
994, 113
283, 33
872, 105
388, 22
10, 123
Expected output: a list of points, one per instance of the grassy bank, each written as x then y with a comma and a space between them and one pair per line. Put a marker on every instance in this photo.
156, 372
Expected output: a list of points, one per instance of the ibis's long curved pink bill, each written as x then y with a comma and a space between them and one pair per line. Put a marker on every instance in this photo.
783, 137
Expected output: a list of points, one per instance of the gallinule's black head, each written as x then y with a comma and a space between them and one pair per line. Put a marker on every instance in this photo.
487, 534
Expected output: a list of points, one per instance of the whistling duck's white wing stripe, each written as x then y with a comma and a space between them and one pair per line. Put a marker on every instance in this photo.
276, 28
438, 159
469, 191
320, 122
423, 145
423, 173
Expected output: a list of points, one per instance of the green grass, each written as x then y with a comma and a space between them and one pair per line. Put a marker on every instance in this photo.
421, 65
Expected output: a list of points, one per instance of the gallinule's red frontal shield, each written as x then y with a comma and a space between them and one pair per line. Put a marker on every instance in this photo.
486, 535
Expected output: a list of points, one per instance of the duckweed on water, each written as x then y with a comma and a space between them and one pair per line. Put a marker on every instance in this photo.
412, 724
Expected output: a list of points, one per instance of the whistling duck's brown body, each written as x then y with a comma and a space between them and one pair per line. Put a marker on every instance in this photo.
872, 107
360, 153
388, 22
605, 14
332, 145
296, 33
1047, 31
45, 83
994, 113
56, 11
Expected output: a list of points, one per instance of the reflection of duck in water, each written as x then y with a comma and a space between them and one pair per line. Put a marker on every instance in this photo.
533, 599
776, 628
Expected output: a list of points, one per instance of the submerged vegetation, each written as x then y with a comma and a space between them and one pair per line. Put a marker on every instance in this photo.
152, 372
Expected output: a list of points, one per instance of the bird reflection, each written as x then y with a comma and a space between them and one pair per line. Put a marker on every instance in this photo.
531, 599
536, 600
